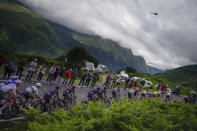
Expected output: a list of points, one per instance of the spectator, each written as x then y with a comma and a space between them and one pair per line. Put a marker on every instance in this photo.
31, 69
107, 80
62, 72
163, 89
9, 68
114, 82
51, 73
67, 76
57, 71
82, 80
74, 75
95, 79
21, 68
88, 79
41, 72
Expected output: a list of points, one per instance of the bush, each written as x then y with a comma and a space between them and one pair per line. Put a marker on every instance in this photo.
122, 116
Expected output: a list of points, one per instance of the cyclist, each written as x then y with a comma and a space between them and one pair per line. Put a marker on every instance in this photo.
144, 94
12, 80
6, 82
53, 92
186, 99
102, 93
68, 93
169, 96
92, 93
9, 91
115, 93
30, 93
132, 93
156, 93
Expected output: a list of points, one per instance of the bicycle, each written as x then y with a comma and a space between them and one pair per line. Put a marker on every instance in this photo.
54, 104
39, 104
69, 102
12, 109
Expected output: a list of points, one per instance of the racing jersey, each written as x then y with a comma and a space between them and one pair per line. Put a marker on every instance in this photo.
118, 80
131, 91
156, 93
169, 93
9, 87
92, 92
68, 91
114, 90
144, 92
33, 90
51, 92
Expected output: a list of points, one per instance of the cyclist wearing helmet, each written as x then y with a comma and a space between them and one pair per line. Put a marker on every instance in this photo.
30, 93
92, 93
53, 92
131, 93
169, 96
69, 92
7, 92
144, 94
102, 93
114, 93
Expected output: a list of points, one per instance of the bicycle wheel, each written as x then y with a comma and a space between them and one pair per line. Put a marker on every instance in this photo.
54, 106
10, 112
38, 105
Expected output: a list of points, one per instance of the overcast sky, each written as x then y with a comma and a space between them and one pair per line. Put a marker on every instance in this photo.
165, 41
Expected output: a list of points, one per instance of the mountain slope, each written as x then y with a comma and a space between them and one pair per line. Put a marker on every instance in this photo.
185, 76
23, 31
106, 51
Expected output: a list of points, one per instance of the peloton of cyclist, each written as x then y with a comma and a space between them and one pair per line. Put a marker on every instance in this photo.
30, 93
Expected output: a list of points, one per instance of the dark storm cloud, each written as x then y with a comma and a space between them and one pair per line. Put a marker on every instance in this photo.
165, 41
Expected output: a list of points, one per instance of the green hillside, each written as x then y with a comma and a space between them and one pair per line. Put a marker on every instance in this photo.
23, 31
106, 51
185, 76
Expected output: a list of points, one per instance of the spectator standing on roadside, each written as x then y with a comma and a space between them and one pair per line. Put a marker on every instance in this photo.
9, 68
74, 75
83, 77
88, 79
95, 79
51, 73
21, 68
67, 76
41, 72
114, 82
62, 72
31, 69
57, 71
163, 89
